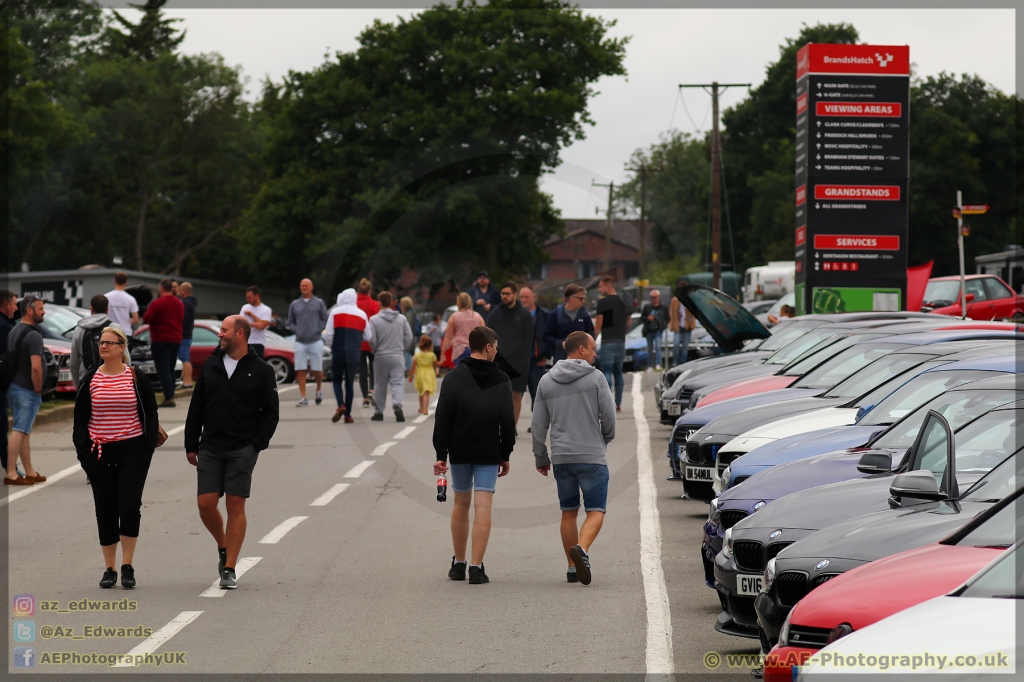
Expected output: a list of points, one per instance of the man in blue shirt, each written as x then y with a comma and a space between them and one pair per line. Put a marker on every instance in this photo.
485, 297
567, 318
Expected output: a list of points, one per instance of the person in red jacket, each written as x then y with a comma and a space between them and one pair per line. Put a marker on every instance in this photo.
165, 316
366, 303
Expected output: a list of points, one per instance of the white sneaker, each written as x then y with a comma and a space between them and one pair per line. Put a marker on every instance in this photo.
319, 397
302, 403
657, 368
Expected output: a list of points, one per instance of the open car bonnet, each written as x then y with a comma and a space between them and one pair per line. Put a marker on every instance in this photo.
728, 322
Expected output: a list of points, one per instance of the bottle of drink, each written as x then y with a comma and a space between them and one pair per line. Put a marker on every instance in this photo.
442, 488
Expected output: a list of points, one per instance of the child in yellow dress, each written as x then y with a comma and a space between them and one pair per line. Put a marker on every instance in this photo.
424, 372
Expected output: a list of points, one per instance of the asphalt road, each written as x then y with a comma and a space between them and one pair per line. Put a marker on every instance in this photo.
347, 552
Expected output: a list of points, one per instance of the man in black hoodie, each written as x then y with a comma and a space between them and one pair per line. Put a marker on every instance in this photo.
474, 429
231, 419
514, 326
8, 306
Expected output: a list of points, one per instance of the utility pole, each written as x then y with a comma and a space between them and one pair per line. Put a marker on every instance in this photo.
608, 225
960, 244
716, 172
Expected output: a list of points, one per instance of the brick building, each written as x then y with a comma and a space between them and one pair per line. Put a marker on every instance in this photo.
579, 255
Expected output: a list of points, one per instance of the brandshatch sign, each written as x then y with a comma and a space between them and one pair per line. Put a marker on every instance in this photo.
852, 165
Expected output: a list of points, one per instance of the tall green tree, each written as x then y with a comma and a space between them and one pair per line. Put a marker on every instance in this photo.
423, 147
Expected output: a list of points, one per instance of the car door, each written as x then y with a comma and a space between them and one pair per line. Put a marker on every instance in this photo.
1002, 301
204, 341
978, 309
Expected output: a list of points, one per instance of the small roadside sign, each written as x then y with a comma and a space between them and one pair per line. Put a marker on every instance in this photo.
975, 209
956, 212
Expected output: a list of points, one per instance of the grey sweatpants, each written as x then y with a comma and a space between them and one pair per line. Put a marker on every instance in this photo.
388, 370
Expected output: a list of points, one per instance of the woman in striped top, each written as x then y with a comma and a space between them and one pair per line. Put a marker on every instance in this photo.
115, 433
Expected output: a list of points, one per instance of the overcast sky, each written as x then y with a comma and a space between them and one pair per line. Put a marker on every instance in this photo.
668, 47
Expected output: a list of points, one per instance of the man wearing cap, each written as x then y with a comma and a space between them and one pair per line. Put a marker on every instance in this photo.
485, 297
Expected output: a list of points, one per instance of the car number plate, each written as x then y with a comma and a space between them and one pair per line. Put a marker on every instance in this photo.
64, 375
674, 409
148, 368
749, 585
705, 474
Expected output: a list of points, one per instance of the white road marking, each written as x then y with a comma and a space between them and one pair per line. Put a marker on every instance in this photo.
381, 449
333, 492
28, 490
659, 617
274, 536
404, 432
423, 417
241, 567
159, 637
176, 429
286, 389
357, 470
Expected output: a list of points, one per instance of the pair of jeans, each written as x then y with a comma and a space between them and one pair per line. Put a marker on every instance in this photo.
165, 354
591, 479
612, 354
682, 346
365, 372
654, 349
344, 371
3, 411
25, 406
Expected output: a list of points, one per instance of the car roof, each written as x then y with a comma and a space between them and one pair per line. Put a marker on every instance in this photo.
926, 338
995, 363
1001, 382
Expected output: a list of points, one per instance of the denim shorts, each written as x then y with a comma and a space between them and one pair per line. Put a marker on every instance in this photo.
313, 352
24, 407
466, 477
592, 479
183, 350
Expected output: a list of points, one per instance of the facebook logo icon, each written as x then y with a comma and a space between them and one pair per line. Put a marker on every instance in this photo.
24, 657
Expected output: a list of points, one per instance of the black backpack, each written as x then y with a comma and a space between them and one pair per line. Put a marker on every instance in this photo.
91, 348
9, 360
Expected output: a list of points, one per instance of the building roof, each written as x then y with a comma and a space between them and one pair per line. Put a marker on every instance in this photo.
625, 232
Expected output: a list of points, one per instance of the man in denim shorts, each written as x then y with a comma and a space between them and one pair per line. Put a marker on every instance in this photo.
24, 395
474, 427
576, 405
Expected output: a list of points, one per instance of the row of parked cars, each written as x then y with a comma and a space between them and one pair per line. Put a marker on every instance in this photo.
862, 472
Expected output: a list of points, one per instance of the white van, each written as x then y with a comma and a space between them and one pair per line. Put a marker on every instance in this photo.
769, 282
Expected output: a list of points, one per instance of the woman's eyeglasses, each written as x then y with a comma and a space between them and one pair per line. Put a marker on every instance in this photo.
108, 344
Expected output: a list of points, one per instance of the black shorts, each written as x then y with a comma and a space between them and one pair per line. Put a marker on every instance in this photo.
226, 472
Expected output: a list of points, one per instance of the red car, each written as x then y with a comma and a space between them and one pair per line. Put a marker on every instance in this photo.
279, 353
988, 298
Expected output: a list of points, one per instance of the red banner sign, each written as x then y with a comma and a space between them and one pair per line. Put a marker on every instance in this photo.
801, 235
856, 242
801, 104
860, 109
801, 194
853, 59
855, 193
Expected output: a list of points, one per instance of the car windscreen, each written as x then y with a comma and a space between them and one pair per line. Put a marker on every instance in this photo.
979, 446
956, 407
939, 294
875, 374
57, 321
787, 332
999, 530
845, 364
997, 484
800, 344
892, 405
823, 351
1003, 579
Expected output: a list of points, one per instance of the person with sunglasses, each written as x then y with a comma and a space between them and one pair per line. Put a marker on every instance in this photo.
569, 317
116, 430
24, 394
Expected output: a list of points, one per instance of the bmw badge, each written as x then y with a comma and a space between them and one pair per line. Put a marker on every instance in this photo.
774, 534
758, 505
821, 564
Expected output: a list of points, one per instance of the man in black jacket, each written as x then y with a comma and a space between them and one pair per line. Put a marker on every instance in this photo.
514, 326
474, 429
8, 306
231, 419
539, 357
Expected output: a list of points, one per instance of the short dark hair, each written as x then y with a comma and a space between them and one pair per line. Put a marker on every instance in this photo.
480, 337
166, 284
99, 304
608, 279
575, 341
572, 290
385, 298
243, 324
253, 288
787, 310
26, 303
510, 285
121, 278
6, 296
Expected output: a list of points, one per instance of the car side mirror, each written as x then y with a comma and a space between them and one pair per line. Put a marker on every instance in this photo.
918, 485
934, 444
875, 463
969, 298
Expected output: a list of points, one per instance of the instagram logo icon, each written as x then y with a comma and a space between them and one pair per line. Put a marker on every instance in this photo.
24, 605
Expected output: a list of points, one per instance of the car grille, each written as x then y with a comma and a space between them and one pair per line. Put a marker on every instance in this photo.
773, 550
730, 517
765, 644
749, 555
824, 578
684, 396
811, 638
680, 436
792, 586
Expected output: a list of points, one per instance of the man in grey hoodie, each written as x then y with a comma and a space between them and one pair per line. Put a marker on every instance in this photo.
84, 360
388, 334
575, 404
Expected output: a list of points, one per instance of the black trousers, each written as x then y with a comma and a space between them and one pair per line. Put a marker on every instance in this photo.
365, 372
165, 354
117, 481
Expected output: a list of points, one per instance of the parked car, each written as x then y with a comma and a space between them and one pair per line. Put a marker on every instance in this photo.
988, 298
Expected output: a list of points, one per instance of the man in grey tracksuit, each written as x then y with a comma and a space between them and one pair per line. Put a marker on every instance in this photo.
388, 334
575, 404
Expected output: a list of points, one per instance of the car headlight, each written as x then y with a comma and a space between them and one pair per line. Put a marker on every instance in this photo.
726, 477
714, 516
727, 546
769, 574
784, 632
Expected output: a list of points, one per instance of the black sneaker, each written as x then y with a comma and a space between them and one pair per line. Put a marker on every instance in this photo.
227, 579
571, 577
127, 576
477, 575
377, 417
581, 560
109, 578
458, 570
319, 397
399, 417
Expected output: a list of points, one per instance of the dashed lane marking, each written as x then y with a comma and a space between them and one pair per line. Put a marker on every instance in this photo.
50, 480
357, 470
176, 429
274, 536
159, 637
404, 432
423, 417
241, 567
381, 449
326, 498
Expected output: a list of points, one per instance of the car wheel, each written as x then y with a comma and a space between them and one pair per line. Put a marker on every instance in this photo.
1018, 317
282, 369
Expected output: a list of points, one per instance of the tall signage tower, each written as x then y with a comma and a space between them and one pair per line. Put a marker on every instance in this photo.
852, 166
